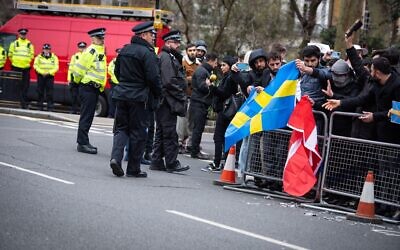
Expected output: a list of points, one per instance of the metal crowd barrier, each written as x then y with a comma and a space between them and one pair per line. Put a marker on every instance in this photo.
266, 160
347, 163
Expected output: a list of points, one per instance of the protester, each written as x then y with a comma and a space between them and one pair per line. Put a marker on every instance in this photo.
223, 94
200, 101
190, 64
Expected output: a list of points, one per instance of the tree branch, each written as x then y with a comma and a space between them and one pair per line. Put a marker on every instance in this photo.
229, 7
295, 8
185, 18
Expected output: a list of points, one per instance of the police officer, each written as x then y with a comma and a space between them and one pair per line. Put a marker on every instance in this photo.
137, 70
113, 81
90, 73
3, 57
166, 140
45, 65
73, 87
21, 53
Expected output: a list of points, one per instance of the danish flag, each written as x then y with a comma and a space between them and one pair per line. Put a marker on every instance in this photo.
303, 161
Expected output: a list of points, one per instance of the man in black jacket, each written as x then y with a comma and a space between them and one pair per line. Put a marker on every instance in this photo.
137, 70
259, 77
173, 93
385, 90
200, 101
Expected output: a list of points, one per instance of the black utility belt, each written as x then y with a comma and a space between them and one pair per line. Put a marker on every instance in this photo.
94, 85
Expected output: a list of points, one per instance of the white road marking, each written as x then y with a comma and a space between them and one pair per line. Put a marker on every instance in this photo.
36, 173
236, 230
387, 232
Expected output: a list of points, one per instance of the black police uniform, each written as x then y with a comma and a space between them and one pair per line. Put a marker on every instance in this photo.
166, 139
137, 70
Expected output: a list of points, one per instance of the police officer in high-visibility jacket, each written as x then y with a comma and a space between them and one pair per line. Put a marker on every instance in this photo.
90, 72
74, 87
3, 57
21, 53
113, 81
46, 66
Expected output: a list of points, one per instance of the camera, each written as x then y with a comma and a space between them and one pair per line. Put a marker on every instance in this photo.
356, 26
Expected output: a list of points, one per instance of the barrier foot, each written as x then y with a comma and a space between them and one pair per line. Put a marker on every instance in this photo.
325, 207
374, 220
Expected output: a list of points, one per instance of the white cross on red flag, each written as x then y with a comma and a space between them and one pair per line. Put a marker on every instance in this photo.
299, 175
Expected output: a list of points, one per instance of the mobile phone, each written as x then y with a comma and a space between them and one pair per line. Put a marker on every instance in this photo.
356, 25
243, 66
335, 54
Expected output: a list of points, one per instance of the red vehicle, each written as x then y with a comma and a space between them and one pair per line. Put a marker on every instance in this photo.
63, 26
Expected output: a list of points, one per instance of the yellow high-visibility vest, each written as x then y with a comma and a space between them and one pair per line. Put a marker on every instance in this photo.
21, 53
3, 57
111, 67
72, 63
91, 67
44, 65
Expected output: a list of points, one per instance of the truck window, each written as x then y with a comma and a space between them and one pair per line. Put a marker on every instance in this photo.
6, 39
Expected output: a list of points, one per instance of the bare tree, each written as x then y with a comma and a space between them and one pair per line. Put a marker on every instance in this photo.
307, 19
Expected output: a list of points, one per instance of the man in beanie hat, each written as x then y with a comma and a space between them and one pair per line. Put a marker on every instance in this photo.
201, 50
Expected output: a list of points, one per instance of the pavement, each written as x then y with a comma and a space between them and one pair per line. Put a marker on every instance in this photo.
54, 116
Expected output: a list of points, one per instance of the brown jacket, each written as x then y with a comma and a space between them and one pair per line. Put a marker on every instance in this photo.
189, 67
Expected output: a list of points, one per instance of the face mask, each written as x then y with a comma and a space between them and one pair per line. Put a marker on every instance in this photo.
341, 81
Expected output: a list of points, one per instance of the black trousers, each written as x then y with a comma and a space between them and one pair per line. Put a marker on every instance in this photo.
74, 91
198, 116
166, 139
88, 96
150, 133
219, 137
111, 101
24, 85
131, 121
45, 86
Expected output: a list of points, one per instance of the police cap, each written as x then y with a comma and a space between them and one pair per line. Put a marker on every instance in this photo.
23, 31
172, 35
82, 45
99, 32
46, 46
144, 27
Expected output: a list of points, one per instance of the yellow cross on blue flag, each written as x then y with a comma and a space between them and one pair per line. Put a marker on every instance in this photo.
267, 110
395, 112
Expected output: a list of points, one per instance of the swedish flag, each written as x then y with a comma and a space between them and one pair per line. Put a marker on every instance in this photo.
270, 109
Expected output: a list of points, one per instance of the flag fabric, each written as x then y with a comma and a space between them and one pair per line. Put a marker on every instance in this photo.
303, 160
267, 110
395, 112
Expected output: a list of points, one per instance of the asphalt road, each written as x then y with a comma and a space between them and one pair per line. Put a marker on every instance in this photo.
52, 197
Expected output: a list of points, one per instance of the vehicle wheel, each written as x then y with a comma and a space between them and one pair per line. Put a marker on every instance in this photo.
101, 107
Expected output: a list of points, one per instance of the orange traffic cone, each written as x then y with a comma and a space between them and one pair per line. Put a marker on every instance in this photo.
228, 175
366, 206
